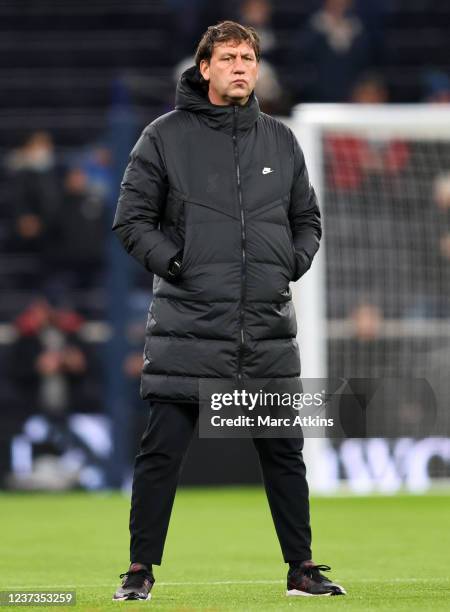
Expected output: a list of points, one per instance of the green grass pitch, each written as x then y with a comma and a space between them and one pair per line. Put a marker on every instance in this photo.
390, 553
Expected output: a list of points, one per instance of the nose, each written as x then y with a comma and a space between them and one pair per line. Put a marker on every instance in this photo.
238, 65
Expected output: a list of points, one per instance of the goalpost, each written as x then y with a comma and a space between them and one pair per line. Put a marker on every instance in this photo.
376, 302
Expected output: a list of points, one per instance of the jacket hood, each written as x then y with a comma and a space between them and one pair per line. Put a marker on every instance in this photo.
191, 96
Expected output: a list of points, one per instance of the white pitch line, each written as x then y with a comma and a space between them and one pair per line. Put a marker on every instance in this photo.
219, 583
112, 585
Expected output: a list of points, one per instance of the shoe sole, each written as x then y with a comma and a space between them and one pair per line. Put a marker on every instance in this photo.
297, 593
130, 598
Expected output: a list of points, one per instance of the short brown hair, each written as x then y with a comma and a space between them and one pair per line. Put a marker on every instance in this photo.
224, 32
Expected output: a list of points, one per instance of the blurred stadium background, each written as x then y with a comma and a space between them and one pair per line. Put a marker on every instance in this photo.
79, 81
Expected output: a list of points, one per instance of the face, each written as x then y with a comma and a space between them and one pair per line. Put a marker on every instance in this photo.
232, 72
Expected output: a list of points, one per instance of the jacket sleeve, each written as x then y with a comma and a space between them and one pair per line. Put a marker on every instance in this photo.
304, 214
142, 197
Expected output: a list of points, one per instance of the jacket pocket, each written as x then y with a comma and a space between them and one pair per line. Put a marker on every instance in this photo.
293, 257
183, 231
180, 223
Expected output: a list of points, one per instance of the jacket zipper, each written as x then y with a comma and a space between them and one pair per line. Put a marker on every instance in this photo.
243, 260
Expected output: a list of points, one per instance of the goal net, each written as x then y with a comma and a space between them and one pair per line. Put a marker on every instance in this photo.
376, 303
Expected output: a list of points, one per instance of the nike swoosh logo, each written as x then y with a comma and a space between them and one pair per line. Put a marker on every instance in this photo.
267, 170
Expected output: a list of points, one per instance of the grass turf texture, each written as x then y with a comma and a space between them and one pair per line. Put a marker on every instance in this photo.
390, 553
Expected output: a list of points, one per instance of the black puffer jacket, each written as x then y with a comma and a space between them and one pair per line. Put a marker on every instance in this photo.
228, 186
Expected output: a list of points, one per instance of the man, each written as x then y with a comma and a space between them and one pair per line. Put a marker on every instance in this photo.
216, 202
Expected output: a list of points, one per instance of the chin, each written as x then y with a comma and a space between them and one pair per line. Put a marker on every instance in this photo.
238, 94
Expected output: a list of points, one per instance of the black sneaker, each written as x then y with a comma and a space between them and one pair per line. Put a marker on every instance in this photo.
306, 580
136, 584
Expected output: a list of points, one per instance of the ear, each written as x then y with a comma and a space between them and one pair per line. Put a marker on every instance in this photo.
204, 69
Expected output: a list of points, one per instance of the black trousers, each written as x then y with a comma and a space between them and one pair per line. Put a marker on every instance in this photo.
157, 469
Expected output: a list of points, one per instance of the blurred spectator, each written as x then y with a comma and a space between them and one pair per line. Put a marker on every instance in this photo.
360, 351
272, 96
378, 367
96, 164
363, 352
369, 89
133, 365
258, 14
336, 48
36, 193
54, 369
366, 320
60, 222
441, 196
437, 87
352, 160
81, 234
441, 192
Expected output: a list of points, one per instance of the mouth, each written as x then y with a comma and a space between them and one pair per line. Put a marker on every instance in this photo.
239, 82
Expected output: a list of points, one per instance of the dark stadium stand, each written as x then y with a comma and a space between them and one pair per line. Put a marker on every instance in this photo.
63, 56
61, 62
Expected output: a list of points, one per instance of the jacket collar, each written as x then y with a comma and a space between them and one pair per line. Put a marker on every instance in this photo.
191, 96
